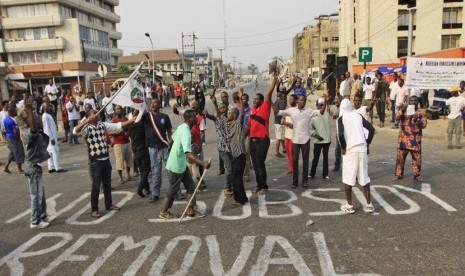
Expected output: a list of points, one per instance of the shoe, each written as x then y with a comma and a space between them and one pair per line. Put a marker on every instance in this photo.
147, 192
305, 185
64, 141
136, 174
450, 147
369, 208
284, 151
219, 173
196, 214
141, 194
458, 147
128, 178
349, 209
237, 204
166, 215
96, 214
227, 192
310, 177
204, 144
47, 219
246, 178
61, 171
293, 186
289, 172
51, 171
114, 208
396, 177
262, 192
279, 155
418, 178
327, 178
153, 199
41, 225
121, 182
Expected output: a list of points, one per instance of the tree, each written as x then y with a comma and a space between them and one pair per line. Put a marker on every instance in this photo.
123, 69
252, 69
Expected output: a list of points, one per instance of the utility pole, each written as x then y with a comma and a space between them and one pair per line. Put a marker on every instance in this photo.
240, 68
234, 66
410, 31
183, 64
195, 65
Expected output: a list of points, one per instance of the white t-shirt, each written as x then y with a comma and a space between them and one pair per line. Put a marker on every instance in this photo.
393, 87
72, 115
341, 88
401, 94
91, 102
362, 111
109, 108
51, 91
148, 92
456, 104
2, 117
368, 89
20, 104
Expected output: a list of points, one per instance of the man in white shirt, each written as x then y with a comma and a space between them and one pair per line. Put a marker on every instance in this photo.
90, 100
72, 108
109, 111
50, 129
400, 99
392, 96
368, 90
51, 91
301, 117
342, 85
455, 104
355, 148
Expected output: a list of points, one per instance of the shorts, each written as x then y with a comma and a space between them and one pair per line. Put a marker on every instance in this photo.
355, 166
279, 130
16, 150
123, 156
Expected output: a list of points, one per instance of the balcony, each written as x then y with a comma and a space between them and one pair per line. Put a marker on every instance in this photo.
2, 46
113, 2
451, 25
113, 34
18, 45
83, 5
32, 22
116, 52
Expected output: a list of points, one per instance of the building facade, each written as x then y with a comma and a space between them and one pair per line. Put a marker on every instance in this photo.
312, 45
64, 40
438, 25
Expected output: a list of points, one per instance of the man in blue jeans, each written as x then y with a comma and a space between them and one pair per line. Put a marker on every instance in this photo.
158, 136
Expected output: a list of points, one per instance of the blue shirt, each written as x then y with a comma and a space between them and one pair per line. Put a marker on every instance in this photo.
10, 127
246, 117
300, 92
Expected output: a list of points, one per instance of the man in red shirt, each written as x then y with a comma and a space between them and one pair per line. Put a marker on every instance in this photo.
122, 147
259, 135
179, 94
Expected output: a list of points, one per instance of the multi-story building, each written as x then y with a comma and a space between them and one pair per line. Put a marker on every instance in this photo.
313, 44
167, 62
64, 40
437, 25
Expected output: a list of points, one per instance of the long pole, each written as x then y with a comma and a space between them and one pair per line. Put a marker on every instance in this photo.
195, 65
182, 47
319, 48
410, 32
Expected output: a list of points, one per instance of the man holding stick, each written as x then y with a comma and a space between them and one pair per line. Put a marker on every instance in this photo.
177, 166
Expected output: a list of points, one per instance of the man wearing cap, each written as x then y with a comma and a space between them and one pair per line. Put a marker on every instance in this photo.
455, 104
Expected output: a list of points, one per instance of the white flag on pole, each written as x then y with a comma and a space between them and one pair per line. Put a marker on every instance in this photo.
131, 94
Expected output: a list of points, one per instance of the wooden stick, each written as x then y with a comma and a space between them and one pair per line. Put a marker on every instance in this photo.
195, 191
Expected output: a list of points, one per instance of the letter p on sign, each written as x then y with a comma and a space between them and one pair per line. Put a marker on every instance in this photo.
365, 54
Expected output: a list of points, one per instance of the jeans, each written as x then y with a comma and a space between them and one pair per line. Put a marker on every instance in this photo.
337, 156
316, 156
73, 138
167, 99
221, 163
37, 192
381, 110
296, 149
100, 172
175, 183
226, 157
144, 169
258, 151
454, 126
247, 156
157, 156
393, 110
237, 174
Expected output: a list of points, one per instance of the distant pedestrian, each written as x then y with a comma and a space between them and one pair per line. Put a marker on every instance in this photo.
319, 129
50, 128
72, 108
122, 147
382, 96
456, 105
286, 121
355, 149
462, 94
13, 140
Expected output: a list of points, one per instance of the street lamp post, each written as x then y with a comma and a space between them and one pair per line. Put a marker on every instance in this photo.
153, 58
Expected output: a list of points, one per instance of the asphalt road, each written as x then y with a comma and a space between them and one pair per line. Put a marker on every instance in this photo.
417, 228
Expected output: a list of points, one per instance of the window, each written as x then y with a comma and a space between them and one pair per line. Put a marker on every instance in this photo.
176, 67
93, 37
450, 41
402, 46
29, 10
402, 21
325, 50
335, 38
325, 39
36, 33
451, 18
66, 12
355, 36
168, 66
35, 57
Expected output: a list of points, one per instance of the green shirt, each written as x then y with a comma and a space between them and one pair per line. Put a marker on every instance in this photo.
177, 161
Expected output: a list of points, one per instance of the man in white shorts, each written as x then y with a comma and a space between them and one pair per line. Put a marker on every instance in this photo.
350, 132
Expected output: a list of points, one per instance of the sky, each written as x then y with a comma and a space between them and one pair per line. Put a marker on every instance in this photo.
256, 30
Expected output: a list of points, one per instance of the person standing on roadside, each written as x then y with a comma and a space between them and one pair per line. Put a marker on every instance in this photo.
382, 95
13, 140
51, 91
279, 104
258, 129
462, 94
392, 96
246, 107
400, 99
122, 147
50, 129
286, 121
64, 113
319, 129
72, 108
99, 162
456, 105
355, 149
109, 111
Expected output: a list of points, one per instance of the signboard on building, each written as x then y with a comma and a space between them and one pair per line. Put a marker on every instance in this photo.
435, 73
42, 73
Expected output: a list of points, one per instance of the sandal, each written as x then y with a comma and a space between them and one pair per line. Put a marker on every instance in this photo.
196, 214
96, 214
418, 178
166, 215
113, 208
396, 177
7, 170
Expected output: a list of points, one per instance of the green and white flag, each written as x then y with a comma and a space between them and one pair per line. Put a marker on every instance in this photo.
131, 94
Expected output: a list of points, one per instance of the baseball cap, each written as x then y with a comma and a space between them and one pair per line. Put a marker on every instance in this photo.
320, 101
454, 89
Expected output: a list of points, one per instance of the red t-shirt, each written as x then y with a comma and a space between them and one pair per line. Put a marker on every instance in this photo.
259, 121
179, 90
123, 137
195, 131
